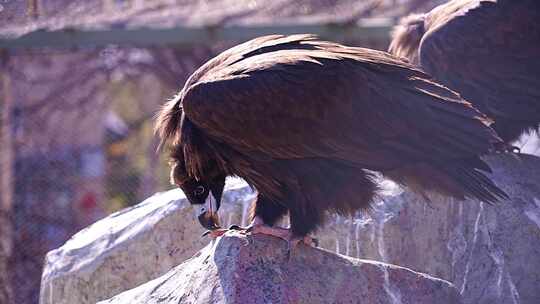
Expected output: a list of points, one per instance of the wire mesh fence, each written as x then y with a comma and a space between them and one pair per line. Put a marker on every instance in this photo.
77, 140
85, 150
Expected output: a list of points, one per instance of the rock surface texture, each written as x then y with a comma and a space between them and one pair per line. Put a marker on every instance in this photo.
239, 269
129, 248
490, 253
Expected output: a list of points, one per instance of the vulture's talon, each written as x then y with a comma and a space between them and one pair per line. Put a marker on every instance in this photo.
278, 232
294, 241
235, 227
240, 229
215, 233
248, 229
220, 231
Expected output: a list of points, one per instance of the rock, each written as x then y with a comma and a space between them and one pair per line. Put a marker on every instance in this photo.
129, 247
239, 269
490, 253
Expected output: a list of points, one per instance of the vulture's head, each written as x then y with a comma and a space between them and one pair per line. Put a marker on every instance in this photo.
204, 188
205, 193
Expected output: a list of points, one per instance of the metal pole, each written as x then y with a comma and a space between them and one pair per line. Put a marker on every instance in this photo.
180, 36
6, 179
33, 8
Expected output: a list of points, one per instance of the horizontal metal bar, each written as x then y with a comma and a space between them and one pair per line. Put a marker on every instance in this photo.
67, 38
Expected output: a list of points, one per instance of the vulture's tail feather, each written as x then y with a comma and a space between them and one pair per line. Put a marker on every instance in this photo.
458, 179
474, 183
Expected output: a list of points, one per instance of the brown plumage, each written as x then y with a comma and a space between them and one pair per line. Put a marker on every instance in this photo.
302, 120
487, 50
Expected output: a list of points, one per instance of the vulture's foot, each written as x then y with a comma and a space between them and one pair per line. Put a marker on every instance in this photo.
245, 230
215, 233
258, 226
256, 222
285, 234
282, 233
293, 242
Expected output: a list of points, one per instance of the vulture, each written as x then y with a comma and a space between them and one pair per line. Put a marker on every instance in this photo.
307, 122
487, 50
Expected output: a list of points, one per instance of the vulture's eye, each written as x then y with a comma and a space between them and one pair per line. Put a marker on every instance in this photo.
199, 190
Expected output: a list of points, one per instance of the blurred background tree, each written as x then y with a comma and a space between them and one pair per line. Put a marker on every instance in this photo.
85, 79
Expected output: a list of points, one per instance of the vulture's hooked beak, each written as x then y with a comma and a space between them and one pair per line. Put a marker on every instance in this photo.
207, 213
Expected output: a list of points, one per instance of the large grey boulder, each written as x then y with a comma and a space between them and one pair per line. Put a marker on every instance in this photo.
490, 253
130, 247
239, 269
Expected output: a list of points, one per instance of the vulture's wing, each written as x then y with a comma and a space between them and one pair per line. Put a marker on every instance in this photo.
358, 105
490, 52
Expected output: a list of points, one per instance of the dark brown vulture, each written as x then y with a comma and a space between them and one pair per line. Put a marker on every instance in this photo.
487, 50
303, 120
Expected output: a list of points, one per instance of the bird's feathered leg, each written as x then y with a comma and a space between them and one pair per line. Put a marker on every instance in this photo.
264, 215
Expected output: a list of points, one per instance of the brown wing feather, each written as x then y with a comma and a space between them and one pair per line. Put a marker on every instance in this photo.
169, 117
299, 98
490, 52
358, 105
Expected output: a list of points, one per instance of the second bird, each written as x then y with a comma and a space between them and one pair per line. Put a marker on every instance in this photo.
487, 50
